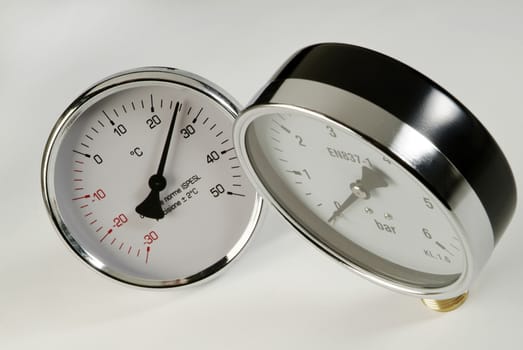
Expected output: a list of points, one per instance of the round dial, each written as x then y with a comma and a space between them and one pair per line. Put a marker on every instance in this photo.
380, 168
340, 185
143, 182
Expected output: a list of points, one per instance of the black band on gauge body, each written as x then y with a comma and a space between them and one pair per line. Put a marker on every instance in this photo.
420, 103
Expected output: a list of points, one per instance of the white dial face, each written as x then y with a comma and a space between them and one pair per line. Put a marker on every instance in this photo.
137, 219
330, 179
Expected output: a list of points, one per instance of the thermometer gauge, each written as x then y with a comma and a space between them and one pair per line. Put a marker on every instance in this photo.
143, 183
380, 168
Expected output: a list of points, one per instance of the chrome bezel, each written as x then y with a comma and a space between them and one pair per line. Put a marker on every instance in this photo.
462, 207
110, 85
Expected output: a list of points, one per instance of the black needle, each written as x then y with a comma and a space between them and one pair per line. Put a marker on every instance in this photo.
351, 199
151, 206
369, 181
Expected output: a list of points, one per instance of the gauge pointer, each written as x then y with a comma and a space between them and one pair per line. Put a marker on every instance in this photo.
360, 189
151, 207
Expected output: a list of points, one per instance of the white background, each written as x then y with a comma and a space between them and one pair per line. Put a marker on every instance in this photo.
281, 293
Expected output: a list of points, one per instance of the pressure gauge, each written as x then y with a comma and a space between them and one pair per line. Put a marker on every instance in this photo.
143, 183
380, 168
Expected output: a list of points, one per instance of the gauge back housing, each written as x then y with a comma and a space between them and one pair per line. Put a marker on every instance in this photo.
412, 120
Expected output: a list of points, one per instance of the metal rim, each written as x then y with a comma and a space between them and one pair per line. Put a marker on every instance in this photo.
325, 101
112, 84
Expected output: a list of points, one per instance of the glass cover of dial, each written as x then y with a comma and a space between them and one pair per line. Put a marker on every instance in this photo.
102, 171
354, 200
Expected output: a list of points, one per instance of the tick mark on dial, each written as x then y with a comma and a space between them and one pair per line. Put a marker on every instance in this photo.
213, 126
132, 105
197, 115
218, 134
107, 116
205, 121
89, 137
235, 194
224, 141
83, 144
148, 250
116, 113
143, 105
93, 129
83, 154
82, 197
124, 109
283, 127
152, 104
275, 139
443, 247
227, 150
